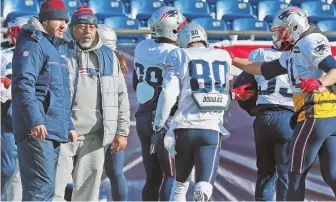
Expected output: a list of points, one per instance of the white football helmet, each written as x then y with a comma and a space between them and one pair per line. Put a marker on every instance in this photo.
288, 25
192, 32
108, 36
166, 22
14, 26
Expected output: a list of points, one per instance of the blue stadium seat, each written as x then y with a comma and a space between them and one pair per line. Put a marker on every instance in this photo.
255, 2
251, 25
267, 9
107, 8
193, 9
72, 5
123, 22
211, 1
211, 24
169, 2
231, 9
143, 9
14, 8
317, 11
328, 26
299, 2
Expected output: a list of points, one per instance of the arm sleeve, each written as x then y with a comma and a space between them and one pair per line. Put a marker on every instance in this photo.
272, 69
27, 64
124, 107
327, 64
170, 89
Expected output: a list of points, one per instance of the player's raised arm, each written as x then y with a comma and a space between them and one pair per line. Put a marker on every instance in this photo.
267, 69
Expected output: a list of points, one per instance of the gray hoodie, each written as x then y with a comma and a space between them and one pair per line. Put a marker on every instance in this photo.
114, 100
87, 106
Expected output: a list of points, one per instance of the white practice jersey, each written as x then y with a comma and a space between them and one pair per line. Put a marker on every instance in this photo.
304, 59
6, 61
199, 77
149, 58
276, 90
6, 69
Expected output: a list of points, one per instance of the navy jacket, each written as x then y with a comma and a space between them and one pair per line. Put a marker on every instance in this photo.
40, 86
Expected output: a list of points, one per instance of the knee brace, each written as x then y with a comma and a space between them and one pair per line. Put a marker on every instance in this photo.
203, 191
179, 191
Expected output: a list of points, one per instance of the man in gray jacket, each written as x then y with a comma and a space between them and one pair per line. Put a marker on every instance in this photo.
100, 109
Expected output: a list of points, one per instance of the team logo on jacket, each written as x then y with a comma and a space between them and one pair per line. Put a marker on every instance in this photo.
25, 53
90, 72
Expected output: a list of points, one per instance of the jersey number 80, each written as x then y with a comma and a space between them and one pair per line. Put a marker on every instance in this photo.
205, 76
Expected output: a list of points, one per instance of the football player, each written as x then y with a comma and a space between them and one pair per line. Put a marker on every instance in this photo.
199, 77
273, 108
149, 56
312, 71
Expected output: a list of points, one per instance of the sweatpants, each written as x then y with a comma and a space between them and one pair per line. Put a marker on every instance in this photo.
84, 161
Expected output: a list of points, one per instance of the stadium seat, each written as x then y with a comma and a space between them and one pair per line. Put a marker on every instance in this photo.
14, 8
328, 26
317, 11
72, 5
255, 2
267, 9
169, 2
231, 9
211, 24
299, 2
251, 25
193, 9
107, 8
123, 22
211, 1
143, 9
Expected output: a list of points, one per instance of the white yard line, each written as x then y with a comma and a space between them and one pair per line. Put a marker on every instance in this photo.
132, 164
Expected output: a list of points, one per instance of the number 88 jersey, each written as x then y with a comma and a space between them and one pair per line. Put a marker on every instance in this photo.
149, 58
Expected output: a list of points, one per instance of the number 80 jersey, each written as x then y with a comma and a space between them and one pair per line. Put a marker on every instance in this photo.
149, 58
204, 71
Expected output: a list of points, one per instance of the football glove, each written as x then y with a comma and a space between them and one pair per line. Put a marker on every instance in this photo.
240, 93
6, 82
309, 84
157, 140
